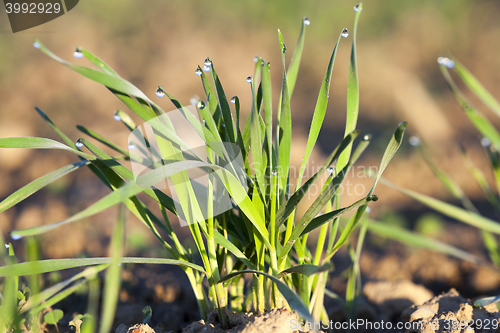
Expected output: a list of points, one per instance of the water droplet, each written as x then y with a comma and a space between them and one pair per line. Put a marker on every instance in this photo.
262, 63
201, 105
131, 146
79, 143
368, 210
345, 33
36, 45
117, 116
358, 8
374, 197
233, 99
284, 48
256, 58
198, 71
206, 69
7, 245
414, 141
159, 92
193, 100
485, 142
207, 62
249, 79
367, 137
15, 236
77, 54
268, 66
119, 264
445, 61
274, 173
330, 170
306, 21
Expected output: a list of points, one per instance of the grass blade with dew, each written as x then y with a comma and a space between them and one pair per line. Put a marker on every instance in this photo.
476, 87
112, 280
487, 301
102, 139
56, 129
452, 211
352, 95
293, 67
53, 265
418, 240
29, 189
291, 297
110, 81
38, 143
482, 124
98, 62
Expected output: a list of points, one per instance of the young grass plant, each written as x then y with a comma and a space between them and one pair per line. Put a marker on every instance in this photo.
468, 213
261, 233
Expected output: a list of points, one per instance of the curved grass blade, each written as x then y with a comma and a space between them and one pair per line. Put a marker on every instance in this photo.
482, 124
39, 143
419, 240
225, 243
352, 97
476, 87
108, 80
291, 297
306, 269
452, 211
53, 265
27, 190
98, 62
390, 151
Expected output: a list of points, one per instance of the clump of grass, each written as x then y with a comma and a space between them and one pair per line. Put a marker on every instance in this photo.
260, 234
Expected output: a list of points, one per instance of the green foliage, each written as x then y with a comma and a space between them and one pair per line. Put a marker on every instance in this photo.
260, 235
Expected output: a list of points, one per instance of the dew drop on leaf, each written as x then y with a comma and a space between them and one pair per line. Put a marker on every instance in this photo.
116, 116
233, 99
345, 33
159, 92
306, 21
358, 8
485, 142
206, 69
249, 79
207, 62
77, 54
36, 45
79, 143
201, 105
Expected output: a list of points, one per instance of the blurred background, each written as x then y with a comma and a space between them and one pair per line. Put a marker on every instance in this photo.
156, 42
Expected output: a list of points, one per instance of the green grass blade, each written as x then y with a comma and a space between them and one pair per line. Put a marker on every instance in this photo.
224, 106
477, 88
27, 190
39, 143
319, 113
112, 280
419, 240
482, 124
452, 211
352, 97
390, 151
291, 204
98, 62
108, 80
58, 297
306, 269
102, 139
56, 129
268, 110
291, 297
293, 67
53, 265
224, 242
